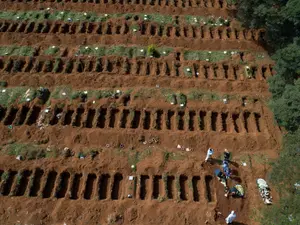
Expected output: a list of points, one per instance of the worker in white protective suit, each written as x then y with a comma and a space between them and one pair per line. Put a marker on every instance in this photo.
230, 217
210, 151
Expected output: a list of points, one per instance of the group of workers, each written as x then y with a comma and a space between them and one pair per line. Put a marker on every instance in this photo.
236, 191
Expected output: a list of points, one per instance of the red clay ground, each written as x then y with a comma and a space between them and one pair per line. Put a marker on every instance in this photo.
171, 186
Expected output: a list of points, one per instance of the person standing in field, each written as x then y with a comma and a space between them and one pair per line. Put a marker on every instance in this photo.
226, 169
230, 217
210, 151
226, 155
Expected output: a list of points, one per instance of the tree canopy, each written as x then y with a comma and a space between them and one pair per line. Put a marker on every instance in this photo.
281, 20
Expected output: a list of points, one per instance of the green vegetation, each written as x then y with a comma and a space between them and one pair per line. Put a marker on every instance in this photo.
182, 99
62, 92
209, 56
16, 51
57, 65
232, 2
282, 24
205, 95
169, 95
135, 156
161, 198
104, 94
19, 178
51, 50
145, 93
27, 151
5, 176
10, 96
188, 71
71, 16
3, 83
160, 19
29, 95
209, 21
217, 56
130, 52
151, 51
279, 18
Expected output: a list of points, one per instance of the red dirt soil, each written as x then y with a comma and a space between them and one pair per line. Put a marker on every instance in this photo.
172, 185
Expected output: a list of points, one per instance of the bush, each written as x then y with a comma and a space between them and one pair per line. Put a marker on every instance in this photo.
287, 108
93, 153
182, 99
151, 51
3, 83
282, 23
43, 94
75, 95
188, 71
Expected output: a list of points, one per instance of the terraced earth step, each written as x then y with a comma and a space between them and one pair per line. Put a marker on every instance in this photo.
216, 4
106, 186
188, 120
139, 29
163, 68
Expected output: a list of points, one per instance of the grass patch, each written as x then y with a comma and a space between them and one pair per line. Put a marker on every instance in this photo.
62, 92
261, 159
261, 56
9, 96
160, 19
172, 156
51, 50
104, 94
29, 95
182, 99
27, 151
134, 157
209, 21
19, 178
169, 96
16, 51
72, 16
3, 83
188, 71
5, 176
145, 93
204, 95
209, 56
231, 2
129, 52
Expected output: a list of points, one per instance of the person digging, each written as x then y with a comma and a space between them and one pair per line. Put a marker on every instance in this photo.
237, 191
226, 169
226, 155
222, 178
